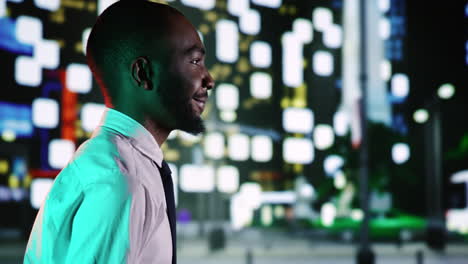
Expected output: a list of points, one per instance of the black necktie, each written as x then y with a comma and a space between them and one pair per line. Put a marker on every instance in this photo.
170, 204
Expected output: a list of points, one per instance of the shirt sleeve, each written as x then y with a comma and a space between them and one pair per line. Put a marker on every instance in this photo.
93, 228
100, 227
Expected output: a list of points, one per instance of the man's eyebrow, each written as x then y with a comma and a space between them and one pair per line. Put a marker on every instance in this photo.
195, 48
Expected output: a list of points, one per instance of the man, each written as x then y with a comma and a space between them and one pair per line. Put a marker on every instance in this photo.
113, 202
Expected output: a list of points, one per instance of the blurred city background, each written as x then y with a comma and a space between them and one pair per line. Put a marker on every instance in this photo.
278, 176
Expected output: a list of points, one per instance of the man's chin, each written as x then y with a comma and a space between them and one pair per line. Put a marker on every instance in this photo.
186, 118
194, 126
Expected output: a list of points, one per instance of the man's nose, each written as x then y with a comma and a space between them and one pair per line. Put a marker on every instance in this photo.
208, 81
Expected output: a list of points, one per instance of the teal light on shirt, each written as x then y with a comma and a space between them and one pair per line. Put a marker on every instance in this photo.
107, 205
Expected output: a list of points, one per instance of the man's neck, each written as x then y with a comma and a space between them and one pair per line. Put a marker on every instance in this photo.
159, 132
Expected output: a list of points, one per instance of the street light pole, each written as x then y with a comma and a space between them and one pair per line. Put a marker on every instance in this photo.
435, 233
365, 254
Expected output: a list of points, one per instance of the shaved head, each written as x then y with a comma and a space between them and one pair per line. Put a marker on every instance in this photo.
124, 31
149, 62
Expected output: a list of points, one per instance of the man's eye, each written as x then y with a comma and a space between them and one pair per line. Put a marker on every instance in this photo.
195, 61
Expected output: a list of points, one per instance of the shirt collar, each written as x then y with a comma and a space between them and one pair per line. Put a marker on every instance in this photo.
139, 137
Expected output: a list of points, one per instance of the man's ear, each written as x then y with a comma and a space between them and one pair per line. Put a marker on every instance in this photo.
142, 72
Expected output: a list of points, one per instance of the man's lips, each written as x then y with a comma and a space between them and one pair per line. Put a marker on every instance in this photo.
200, 101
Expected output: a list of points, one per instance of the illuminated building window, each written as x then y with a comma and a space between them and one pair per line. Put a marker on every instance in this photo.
228, 179
323, 136
322, 18
227, 41
214, 145
384, 28
28, 72
197, 178
298, 120
260, 54
400, 85
2, 8
340, 123
262, 148
332, 37
200, 4
39, 189
238, 147
252, 191
292, 60
47, 53
28, 29
384, 5
249, 22
298, 150
227, 97
45, 113
292, 44
60, 152
228, 116
323, 63
385, 70
268, 3
260, 85
237, 7
79, 78
51, 5
91, 115
302, 29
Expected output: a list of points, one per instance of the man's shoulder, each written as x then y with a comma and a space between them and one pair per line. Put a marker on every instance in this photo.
105, 157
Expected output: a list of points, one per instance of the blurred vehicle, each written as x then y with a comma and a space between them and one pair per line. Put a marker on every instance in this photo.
457, 218
457, 221
392, 225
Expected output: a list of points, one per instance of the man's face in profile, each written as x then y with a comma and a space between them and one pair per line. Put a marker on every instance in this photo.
184, 89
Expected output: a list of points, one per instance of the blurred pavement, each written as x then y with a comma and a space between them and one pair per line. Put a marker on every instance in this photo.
285, 251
